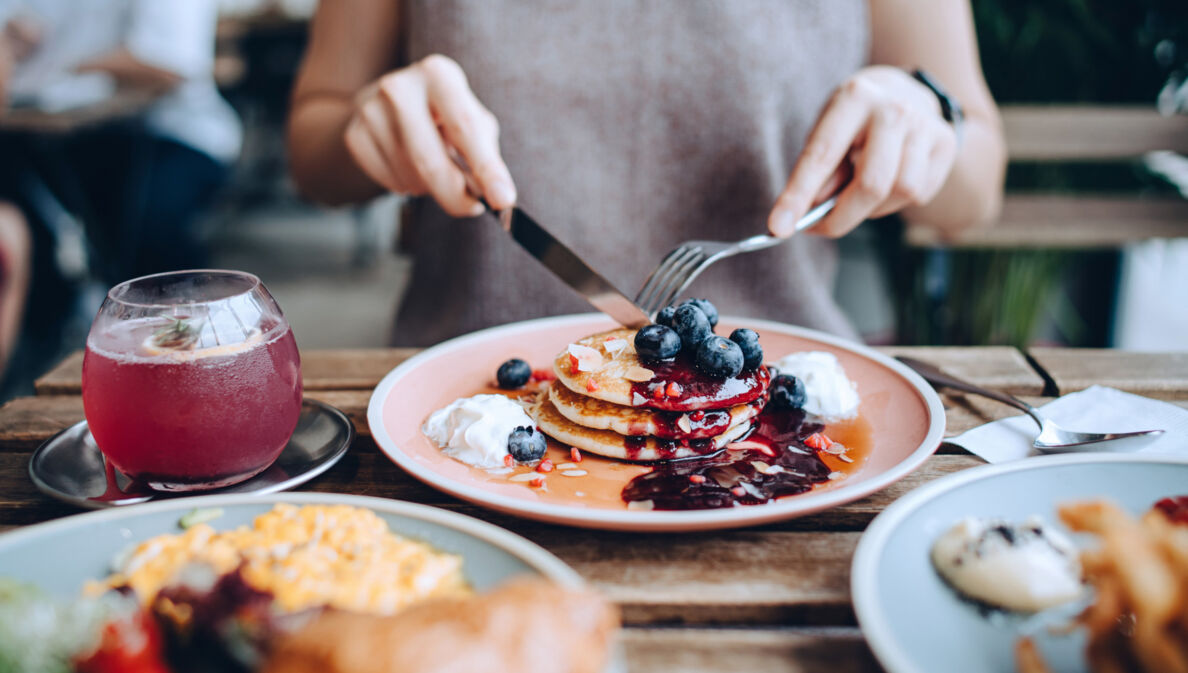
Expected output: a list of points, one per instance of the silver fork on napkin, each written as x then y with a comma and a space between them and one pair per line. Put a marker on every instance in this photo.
1052, 438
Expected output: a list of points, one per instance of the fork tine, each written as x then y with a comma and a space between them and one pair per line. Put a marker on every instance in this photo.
663, 292
650, 284
658, 279
654, 302
686, 273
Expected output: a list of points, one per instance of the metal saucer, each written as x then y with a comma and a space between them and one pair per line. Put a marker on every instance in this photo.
70, 467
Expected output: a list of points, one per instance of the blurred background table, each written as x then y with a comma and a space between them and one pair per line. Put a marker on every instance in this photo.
773, 598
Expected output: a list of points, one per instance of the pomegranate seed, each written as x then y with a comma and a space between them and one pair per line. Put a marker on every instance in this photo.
818, 441
573, 362
738, 491
674, 389
508, 461
697, 415
575, 455
658, 391
545, 465
697, 478
543, 375
537, 482
591, 385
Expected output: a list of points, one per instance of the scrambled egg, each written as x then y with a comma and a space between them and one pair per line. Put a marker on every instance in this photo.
316, 555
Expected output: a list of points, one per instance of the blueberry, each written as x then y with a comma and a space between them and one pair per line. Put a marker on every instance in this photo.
710, 311
526, 444
691, 326
748, 341
657, 342
719, 357
664, 317
513, 374
787, 392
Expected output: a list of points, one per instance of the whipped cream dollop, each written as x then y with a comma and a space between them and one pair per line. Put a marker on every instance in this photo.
1023, 567
475, 429
829, 393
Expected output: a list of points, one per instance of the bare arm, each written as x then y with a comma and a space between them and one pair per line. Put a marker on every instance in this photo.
352, 43
882, 133
358, 127
938, 36
131, 72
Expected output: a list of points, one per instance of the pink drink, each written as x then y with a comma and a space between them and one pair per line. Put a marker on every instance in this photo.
182, 420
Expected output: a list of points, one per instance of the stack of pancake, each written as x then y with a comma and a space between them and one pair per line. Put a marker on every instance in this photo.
606, 401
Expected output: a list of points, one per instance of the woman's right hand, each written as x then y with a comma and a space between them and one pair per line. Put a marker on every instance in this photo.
403, 124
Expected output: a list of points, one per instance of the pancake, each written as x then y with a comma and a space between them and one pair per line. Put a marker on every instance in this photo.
621, 447
601, 415
605, 366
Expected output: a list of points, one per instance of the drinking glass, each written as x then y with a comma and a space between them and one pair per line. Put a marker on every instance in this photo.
191, 379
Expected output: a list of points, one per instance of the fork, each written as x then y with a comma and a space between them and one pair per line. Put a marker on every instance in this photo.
685, 262
1052, 438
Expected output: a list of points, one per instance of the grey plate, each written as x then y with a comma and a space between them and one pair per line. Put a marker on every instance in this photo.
61, 556
70, 467
915, 623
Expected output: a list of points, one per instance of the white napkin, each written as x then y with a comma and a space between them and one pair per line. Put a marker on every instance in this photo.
1095, 409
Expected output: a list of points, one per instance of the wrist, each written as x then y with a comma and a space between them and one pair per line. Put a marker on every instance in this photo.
949, 108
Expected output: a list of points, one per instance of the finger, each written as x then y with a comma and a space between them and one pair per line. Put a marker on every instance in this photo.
367, 155
874, 173
470, 128
418, 136
380, 125
913, 182
826, 147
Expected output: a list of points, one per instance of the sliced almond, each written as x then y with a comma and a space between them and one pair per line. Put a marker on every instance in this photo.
637, 399
575, 473
684, 424
643, 505
523, 476
834, 476
567, 466
615, 346
588, 359
765, 468
639, 374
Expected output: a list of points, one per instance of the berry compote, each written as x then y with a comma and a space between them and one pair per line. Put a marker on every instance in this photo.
677, 385
776, 462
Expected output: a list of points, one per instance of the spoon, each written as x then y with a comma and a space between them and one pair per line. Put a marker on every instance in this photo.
1052, 438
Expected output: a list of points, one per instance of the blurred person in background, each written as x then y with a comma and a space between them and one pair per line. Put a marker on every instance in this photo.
15, 257
137, 180
146, 177
631, 126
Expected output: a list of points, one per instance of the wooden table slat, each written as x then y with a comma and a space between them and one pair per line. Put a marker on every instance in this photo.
322, 369
1159, 375
698, 650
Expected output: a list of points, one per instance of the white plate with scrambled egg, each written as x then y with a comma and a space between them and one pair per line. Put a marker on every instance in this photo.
364, 554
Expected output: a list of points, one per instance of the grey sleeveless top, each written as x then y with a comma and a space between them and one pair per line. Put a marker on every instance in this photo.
630, 126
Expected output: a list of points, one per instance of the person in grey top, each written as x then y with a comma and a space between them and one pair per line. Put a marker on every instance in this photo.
628, 126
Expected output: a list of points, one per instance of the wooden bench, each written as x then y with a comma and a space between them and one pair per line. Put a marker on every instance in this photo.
1070, 134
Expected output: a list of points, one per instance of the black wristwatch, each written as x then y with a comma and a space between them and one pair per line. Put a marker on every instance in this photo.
950, 108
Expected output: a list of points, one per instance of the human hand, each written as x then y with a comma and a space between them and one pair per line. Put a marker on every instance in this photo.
404, 123
886, 129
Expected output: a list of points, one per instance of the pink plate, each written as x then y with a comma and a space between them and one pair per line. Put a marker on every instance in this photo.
902, 415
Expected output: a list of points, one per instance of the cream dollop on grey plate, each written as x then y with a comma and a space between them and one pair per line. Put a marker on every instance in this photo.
1021, 567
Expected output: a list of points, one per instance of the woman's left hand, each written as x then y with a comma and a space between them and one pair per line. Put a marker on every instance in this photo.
886, 129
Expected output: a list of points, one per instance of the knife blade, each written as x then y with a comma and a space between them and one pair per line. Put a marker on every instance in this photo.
570, 268
556, 257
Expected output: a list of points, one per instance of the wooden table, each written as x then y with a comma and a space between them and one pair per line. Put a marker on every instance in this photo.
774, 598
